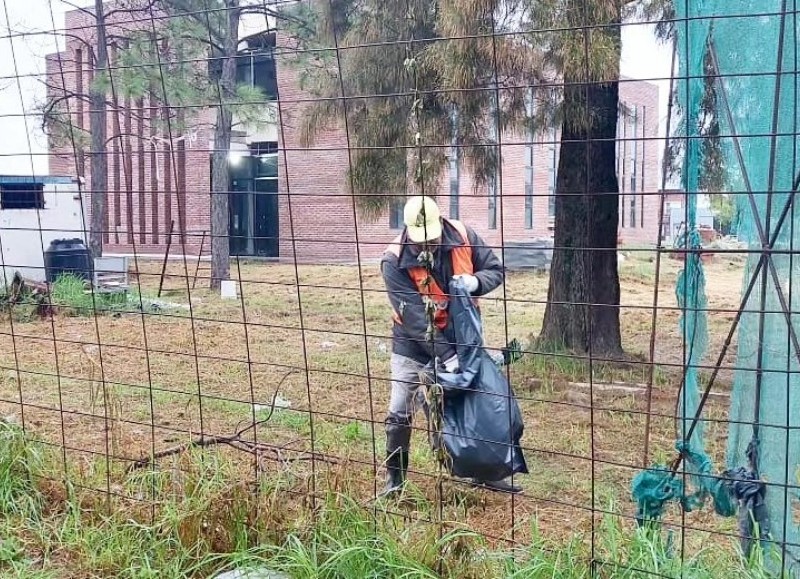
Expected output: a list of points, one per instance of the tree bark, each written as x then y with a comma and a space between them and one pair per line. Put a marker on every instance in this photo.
220, 242
97, 127
582, 312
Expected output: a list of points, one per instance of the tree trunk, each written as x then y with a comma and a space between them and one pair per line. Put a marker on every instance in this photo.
97, 127
583, 298
220, 242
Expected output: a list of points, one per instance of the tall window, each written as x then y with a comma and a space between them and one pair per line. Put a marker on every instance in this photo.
454, 158
529, 186
493, 179
553, 169
641, 176
530, 109
623, 173
634, 163
492, 202
396, 213
620, 121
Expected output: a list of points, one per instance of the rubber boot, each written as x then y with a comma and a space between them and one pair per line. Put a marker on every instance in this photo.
398, 442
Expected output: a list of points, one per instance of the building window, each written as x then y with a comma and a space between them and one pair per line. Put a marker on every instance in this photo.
622, 174
620, 120
493, 202
396, 213
266, 166
499, 157
454, 157
553, 170
641, 175
529, 186
263, 147
634, 161
256, 69
530, 110
21, 196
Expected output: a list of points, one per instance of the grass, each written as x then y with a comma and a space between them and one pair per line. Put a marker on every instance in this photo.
69, 296
192, 519
169, 377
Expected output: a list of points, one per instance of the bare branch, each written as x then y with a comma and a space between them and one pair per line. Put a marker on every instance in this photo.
236, 441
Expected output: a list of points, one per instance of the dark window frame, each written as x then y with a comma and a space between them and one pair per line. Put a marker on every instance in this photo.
492, 190
641, 176
396, 213
634, 164
455, 176
257, 68
551, 199
530, 172
21, 196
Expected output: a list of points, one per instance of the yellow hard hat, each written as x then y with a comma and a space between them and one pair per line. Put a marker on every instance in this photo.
422, 219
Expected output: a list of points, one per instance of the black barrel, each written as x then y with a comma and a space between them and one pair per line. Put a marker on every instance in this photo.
67, 256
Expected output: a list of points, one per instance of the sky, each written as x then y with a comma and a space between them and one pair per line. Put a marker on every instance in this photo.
26, 36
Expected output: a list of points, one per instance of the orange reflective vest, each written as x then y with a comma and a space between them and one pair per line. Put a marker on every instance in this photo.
461, 257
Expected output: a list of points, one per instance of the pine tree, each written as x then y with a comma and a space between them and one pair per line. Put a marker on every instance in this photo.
178, 54
215, 23
422, 59
427, 69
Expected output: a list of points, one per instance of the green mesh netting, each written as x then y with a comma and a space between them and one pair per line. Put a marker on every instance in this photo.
746, 37
770, 165
654, 487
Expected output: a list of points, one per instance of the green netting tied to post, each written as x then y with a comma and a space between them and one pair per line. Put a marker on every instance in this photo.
657, 486
654, 488
753, 47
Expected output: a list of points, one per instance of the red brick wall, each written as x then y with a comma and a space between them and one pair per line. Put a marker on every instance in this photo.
317, 222
143, 197
313, 180
648, 169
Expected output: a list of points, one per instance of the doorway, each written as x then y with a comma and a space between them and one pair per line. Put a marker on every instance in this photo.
253, 206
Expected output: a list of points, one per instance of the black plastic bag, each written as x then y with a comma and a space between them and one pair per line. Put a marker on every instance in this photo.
481, 423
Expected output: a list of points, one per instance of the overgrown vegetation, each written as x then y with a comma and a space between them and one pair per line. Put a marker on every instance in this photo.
70, 296
193, 517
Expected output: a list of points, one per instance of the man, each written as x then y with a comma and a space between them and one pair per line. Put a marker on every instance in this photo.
445, 249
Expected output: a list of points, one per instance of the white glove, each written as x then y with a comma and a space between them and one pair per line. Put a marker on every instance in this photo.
470, 282
451, 364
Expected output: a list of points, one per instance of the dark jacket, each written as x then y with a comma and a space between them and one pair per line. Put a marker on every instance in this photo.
408, 339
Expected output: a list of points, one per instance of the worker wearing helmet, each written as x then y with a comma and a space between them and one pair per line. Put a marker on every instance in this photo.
417, 269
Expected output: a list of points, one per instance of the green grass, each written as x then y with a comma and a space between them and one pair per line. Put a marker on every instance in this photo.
194, 518
70, 296
20, 463
297, 421
560, 365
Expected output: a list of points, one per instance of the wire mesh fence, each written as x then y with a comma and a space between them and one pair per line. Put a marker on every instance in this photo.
217, 310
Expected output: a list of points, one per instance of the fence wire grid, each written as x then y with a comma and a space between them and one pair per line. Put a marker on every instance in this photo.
228, 175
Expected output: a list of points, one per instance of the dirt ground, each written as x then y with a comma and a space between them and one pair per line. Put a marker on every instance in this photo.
194, 363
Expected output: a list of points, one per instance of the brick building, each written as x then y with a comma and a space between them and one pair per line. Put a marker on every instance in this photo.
292, 203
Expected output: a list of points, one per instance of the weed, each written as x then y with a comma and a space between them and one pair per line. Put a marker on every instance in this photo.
355, 431
193, 518
20, 467
295, 420
71, 296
